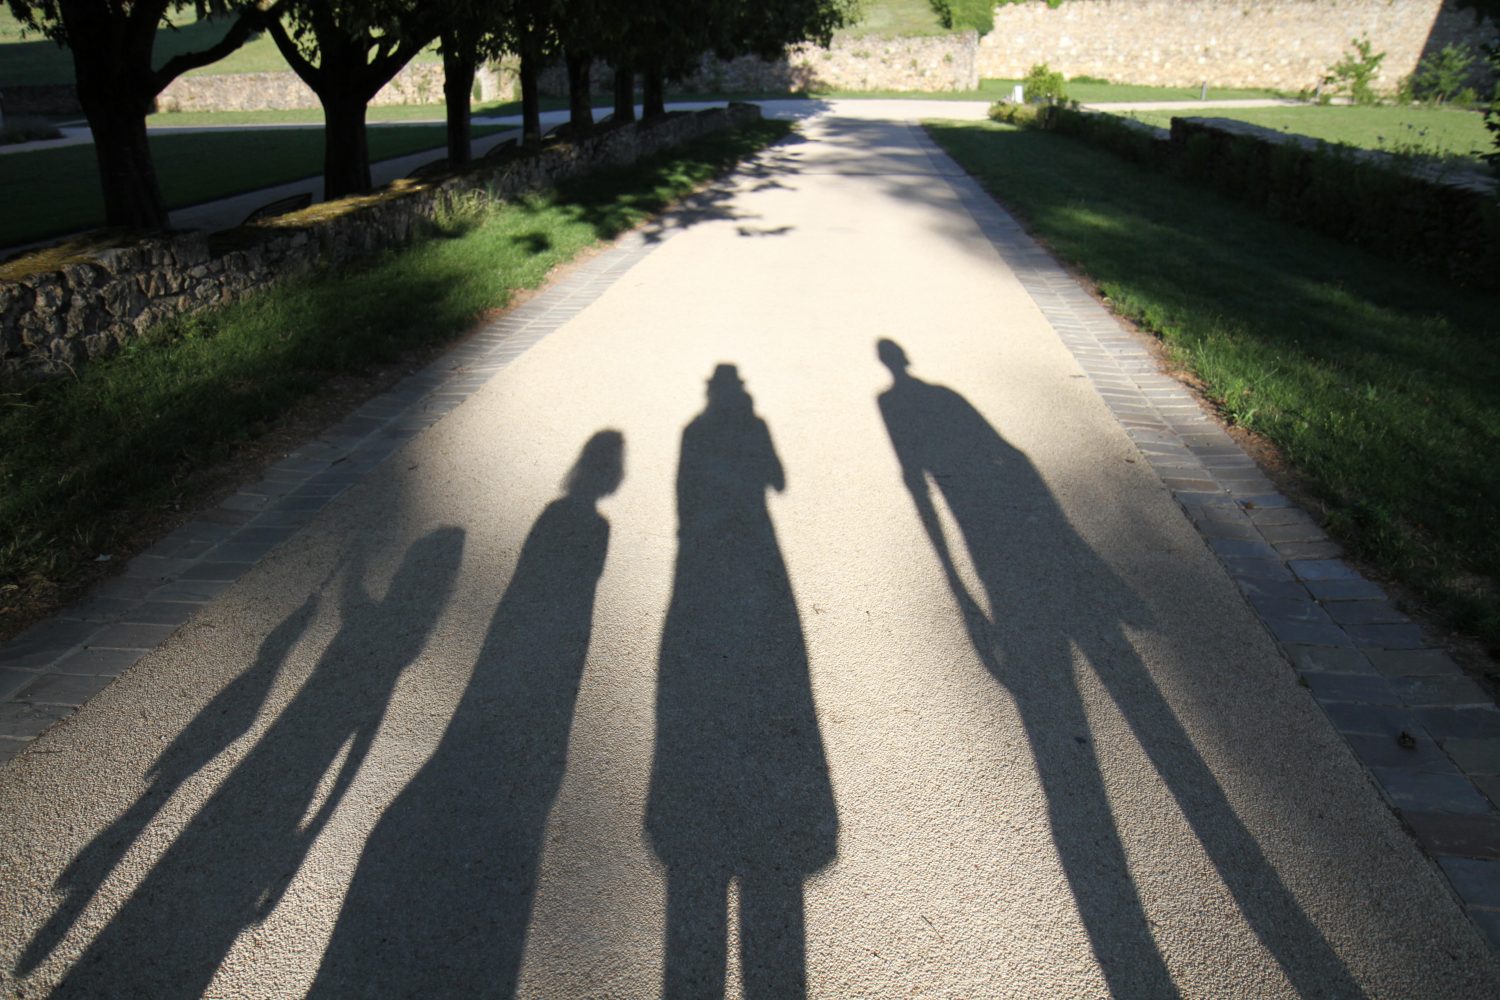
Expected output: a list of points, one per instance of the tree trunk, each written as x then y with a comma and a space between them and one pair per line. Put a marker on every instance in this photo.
346, 155
459, 63
580, 107
132, 196
624, 95
653, 95
531, 100
111, 67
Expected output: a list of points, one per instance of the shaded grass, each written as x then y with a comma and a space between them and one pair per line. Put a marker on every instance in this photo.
62, 185
1380, 386
1393, 128
88, 458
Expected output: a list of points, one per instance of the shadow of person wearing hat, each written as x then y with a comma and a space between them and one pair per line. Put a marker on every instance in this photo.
739, 784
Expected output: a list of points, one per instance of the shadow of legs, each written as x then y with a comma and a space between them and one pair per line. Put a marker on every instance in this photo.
773, 952
697, 929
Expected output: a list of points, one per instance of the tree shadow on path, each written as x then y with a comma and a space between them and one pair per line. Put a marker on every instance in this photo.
228, 869
442, 897
739, 785
1049, 592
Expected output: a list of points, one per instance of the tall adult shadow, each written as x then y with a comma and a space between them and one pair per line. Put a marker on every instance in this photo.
739, 785
230, 866
1048, 592
227, 717
441, 900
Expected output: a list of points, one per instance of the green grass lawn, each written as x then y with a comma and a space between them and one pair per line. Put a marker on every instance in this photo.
381, 113
889, 18
87, 459
1380, 385
35, 60
1404, 128
62, 185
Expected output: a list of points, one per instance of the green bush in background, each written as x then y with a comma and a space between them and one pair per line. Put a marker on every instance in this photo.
1043, 84
1443, 76
1353, 76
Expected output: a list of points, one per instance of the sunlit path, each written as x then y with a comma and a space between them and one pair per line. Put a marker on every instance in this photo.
794, 619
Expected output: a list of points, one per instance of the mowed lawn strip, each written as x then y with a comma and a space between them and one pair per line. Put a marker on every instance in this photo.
1392, 128
59, 188
141, 432
1381, 386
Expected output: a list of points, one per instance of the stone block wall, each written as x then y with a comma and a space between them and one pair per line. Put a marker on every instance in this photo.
52, 322
938, 63
1281, 44
417, 83
945, 62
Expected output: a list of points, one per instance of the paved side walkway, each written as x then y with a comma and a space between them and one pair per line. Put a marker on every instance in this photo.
778, 608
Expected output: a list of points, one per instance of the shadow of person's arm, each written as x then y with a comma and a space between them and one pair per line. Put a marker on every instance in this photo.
309, 830
921, 494
775, 474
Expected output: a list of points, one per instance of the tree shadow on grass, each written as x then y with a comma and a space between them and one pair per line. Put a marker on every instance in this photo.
441, 900
1021, 545
229, 867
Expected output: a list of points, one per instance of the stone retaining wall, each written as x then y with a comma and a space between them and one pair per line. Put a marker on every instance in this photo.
53, 322
417, 83
941, 62
945, 62
1436, 216
1281, 44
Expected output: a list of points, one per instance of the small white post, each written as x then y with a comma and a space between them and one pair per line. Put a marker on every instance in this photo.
1017, 94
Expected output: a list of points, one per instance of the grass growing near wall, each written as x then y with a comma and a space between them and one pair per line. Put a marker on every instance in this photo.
896, 18
1393, 128
62, 185
85, 459
1379, 385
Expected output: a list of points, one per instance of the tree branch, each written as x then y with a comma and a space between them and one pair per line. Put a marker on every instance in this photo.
305, 70
239, 33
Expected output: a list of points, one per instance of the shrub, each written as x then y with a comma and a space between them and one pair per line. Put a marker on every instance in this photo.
1443, 76
1042, 84
1354, 75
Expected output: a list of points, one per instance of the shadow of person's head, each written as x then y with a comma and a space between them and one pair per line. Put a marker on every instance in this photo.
600, 468
726, 390
892, 356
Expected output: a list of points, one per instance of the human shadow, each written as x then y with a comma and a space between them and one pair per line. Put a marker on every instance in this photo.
441, 900
227, 717
739, 784
1047, 593
229, 867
